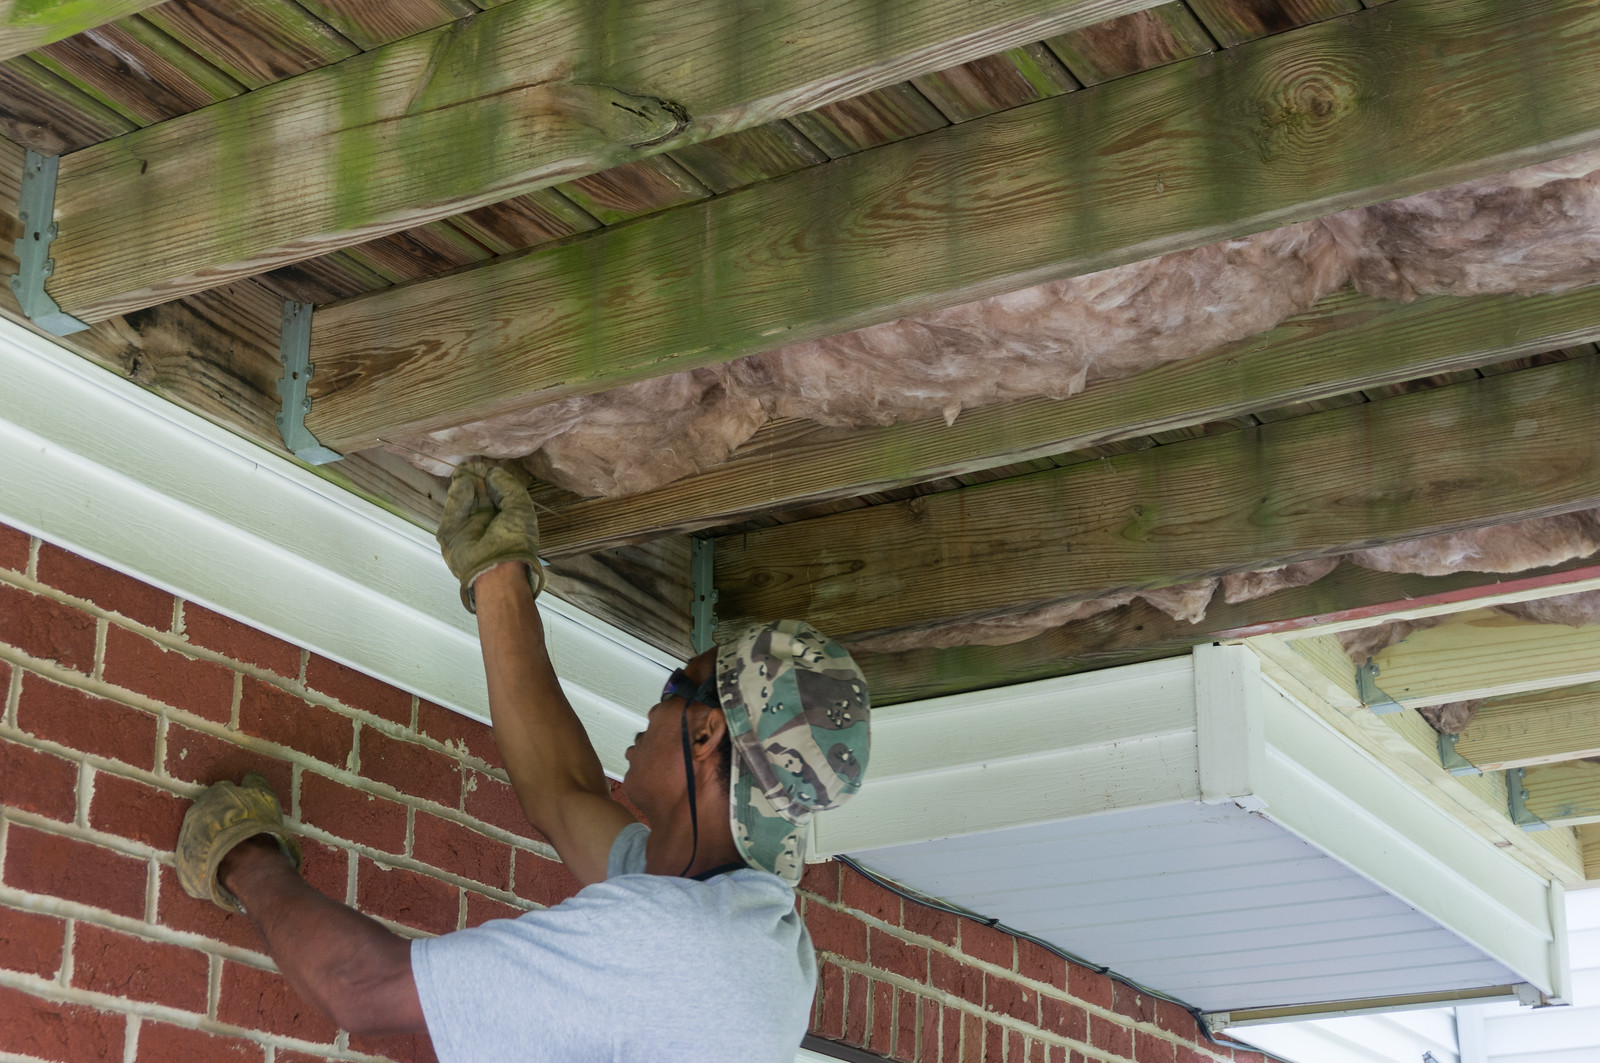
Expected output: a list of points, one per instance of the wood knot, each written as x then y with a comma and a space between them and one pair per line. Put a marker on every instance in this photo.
1302, 113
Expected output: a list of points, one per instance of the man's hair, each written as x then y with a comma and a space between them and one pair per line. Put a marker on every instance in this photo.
725, 757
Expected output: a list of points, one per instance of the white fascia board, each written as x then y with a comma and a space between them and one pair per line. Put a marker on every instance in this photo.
97, 465
1320, 786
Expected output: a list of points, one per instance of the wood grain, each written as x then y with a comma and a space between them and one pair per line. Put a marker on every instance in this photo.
996, 83
1589, 838
1457, 457
1566, 794
1522, 730
1346, 343
523, 96
1234, 22
746, 156
41, 111
1485, 654
137, 71
1140, 41
25, 26
1172, 158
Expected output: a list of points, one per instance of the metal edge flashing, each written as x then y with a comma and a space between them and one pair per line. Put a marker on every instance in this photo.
99, 466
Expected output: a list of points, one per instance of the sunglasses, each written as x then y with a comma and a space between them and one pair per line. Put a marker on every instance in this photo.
679, 685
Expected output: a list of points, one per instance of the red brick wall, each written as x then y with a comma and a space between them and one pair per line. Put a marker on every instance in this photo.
120, 702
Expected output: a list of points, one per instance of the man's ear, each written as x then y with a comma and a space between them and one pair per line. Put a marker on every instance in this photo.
706, 728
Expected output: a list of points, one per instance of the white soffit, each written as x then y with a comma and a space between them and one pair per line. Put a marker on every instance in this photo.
1189, 825
95, 464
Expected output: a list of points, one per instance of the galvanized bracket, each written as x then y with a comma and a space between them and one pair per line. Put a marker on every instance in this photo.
704, 607
36, 209
295, 349
1367, 690
1454, 762
1517, 799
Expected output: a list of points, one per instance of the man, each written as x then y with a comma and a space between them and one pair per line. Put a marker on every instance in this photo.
684, 942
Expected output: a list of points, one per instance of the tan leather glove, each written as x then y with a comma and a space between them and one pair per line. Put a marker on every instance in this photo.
220, 818
489, 519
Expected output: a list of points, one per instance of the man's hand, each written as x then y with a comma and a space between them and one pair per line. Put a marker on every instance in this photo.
489, 520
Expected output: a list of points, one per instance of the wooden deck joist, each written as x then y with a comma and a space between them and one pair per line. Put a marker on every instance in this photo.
1564, 794
1544, 727
1484, 655
1408, 96
520, 96
29, 24
1501, 448
1347, 343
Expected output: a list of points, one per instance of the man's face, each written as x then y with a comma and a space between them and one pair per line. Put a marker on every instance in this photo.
655, 760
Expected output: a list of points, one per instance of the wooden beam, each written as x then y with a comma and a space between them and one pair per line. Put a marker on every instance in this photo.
1589, 839
1384, 102
1346, 343
1544, 727
1468, 455
1565, 794
521, 96
1141, 632
1484, 655
26, 25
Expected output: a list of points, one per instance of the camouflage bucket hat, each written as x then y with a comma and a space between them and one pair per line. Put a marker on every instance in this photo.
796, 706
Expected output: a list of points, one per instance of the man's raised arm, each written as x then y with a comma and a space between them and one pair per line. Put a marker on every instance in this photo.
490, 539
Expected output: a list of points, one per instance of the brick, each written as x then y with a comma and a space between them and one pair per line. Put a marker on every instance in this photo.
451, 847
263, 1000
1148, 1048
31, 943
40, 782
1110, 1036
1036, 1051
830, 994
1126, 1000
1063, 1019
105, 587
1040, 964
58, 1032
162, 1042
405, 897
932, 922
950, 975
402, 1048
194, 756
74, 871
268, 712
546, 882
138, 664
881, 1038
906, 1023
1016, 1047
466, 735
481, 909
1057, 1054
983, 942
325, 867
105, 961
970, 1049
491, 801
951, 1034
1243, 1056
929, 1035
1089, 986
836, 932
857, 992
179, 911
46, 629
1175, 1019
352, 814
889, 953
239, 642
821, 880
1011, 998
411, 768
1190, 1055
136, 811
358, 691
13, 549
994, 1038
88, 724
869, 898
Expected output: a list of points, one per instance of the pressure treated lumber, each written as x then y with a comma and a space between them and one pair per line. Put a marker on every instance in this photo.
1483, 655
1589, 838
1543, 727
1566, 794
1398, 99
1508, 446
521, 96
1140, 632
1347, 343
29, 24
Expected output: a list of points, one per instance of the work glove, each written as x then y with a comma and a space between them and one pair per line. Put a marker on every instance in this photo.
222, 817
489, 519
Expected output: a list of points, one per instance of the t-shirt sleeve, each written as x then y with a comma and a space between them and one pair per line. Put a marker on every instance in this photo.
627, 852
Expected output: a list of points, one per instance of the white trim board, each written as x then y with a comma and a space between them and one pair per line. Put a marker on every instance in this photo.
95, 464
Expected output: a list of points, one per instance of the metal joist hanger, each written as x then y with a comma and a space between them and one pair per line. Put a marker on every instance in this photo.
295, 348
36, 207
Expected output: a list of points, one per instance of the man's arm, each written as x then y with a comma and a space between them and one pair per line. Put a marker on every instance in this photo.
552, 764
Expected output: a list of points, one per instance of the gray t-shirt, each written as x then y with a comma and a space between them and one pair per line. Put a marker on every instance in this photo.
638, 967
